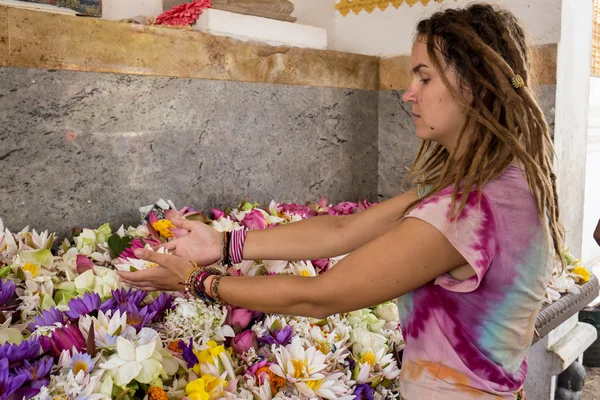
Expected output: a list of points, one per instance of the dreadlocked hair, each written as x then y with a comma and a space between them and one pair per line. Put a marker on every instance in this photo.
487, 47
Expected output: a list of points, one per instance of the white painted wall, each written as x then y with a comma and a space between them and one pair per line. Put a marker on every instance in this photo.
319, 13
391, 32
572, 102
591, 211
119, 9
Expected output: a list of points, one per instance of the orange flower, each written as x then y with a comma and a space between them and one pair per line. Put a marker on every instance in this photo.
157, 393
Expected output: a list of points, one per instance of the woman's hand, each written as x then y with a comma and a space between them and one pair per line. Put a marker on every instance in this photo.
168, 275
202, 244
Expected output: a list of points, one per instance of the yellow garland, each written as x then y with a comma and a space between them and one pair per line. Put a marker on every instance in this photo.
344, 6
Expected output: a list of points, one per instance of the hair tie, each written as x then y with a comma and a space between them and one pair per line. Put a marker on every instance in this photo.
517, 81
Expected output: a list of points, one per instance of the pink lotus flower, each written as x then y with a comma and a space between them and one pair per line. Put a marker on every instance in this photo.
238, 318
136, 244
254, 220
218, 214
242, 342
345, 208
65, 338
296, 209
252, 370
366, 205
83, 264
321, 264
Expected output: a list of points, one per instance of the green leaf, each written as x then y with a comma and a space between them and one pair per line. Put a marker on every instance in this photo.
118, 244
4, 271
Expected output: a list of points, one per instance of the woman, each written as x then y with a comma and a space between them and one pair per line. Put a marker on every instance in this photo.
468, 251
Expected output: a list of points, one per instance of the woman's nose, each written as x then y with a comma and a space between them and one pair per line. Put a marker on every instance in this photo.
409, 96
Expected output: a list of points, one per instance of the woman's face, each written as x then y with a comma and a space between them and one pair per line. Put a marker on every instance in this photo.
437, 116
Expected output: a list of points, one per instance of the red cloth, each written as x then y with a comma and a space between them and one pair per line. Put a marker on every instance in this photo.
184, 14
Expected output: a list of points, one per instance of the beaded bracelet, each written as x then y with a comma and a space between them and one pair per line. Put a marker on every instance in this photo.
224, 260
227, 258
214, 289
188, 283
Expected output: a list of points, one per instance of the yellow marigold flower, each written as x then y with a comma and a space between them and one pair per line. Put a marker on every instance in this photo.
157, 393
33, 269
162, 227
174, 347
277, 383
583, 273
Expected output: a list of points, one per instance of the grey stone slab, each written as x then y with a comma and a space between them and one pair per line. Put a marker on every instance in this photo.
398, 144
80, 148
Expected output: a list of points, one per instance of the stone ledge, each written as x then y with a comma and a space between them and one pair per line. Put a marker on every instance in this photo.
32, 39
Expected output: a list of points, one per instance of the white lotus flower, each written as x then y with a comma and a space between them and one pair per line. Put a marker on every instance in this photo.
107, 327
387, 311
141, 231
225, 225
364, 341
377, 366
332, 387
275, 266
303, 268
132, 361
296, 364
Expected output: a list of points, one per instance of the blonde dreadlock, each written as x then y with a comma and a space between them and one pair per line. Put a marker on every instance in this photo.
487, 47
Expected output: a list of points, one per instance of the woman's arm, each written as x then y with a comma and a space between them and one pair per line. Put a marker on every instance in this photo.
326, 236
309, 239
406, 258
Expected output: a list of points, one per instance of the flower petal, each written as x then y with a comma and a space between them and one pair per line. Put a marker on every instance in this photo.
145, 351
125, 349
127, 372
150, 370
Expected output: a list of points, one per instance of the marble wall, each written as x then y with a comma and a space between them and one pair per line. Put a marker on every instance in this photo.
398, 144
82, 148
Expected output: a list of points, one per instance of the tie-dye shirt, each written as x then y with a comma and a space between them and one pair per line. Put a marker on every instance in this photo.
469, 339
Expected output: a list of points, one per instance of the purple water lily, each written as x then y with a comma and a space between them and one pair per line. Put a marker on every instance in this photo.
363, 391
17, 353
9, 383
278, 336
87, 304
163, 302
48, 318
7, 289
188, 353
36, 371
138, 317
65, 338
121, 298
82, 362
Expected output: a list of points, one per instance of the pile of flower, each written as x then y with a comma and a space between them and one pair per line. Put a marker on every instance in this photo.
69, 330
568, 279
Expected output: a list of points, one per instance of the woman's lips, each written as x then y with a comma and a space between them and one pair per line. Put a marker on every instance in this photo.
415, 116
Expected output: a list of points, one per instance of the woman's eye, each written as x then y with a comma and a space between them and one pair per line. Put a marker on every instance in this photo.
425, 81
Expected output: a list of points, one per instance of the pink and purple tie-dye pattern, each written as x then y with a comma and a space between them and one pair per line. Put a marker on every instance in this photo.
469, 339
